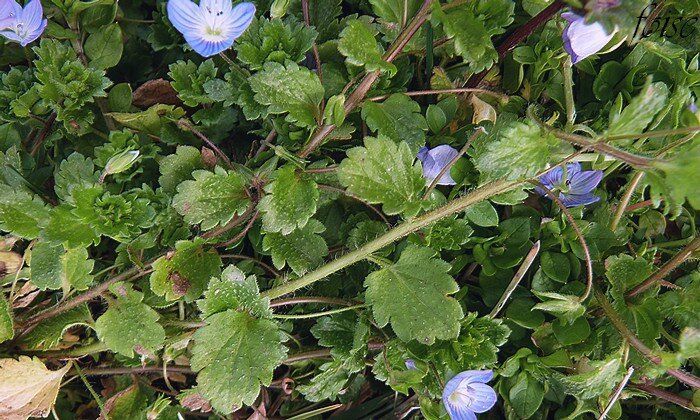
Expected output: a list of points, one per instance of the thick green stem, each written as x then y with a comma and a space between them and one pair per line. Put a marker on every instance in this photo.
395, 234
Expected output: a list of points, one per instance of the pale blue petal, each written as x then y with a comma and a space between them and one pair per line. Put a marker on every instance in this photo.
484, 397
435, 161
585, 182
477, 376
6, 8
7, 23
186, 17
11, 35
34, 35
458, 413
423, 154
208, 48
240, 18
410, 364
32, 15
582, 40
575, 200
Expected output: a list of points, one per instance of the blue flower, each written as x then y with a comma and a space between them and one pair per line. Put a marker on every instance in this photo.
583, 39
434, 160
22, 25
211, 27
410, 364
467, 393
575, 188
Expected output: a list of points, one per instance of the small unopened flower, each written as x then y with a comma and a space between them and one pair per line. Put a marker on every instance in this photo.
434, 160
575, 187
212, 26
467, 393
693, 107
583, 39
410, 364
22, 25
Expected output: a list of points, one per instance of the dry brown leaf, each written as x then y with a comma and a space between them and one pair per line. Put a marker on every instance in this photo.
10, 262
28, 388
153, 92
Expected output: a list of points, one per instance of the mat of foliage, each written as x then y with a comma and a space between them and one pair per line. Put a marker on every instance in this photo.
252, 235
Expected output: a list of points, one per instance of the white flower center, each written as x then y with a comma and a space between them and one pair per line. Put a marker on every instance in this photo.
215, 25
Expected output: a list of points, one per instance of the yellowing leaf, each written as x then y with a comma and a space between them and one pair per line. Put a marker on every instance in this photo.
27, 388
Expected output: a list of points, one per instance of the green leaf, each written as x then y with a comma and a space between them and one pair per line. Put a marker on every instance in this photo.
689, 343
477, 345
21, 213
150, 121
418, 281
384, 172
575, 333
335, 110
275, 40
75, 170
399, 118
302, 249
54, 267
599, 380
482, 214
556, 266
395, 10
235, 354
526, 395
7, 330
67, 85
347, 336
48, 334
641, 110
63, 227
357, 43
682, 306
121, 217
105, 46
120, 97
682, 171
212, 199
565, 307
234, 291
189, 81
130, 403
472, 41
522, 150
290, 201
449, 233
130, 325
289, 89
186, 272
625, 272
179, 167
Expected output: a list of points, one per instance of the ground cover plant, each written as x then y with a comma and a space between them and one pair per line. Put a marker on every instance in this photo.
349, 209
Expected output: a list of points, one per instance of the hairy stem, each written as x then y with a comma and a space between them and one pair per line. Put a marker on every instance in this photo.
622, 205
666, 395
666, 269
395, 234
685, 377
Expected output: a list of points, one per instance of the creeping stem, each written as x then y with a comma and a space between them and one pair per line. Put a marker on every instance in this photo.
358, 95
480, 194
